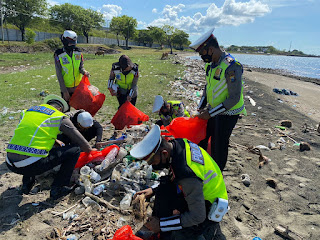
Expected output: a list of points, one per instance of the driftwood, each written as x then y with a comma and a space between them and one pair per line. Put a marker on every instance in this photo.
285, 232
107, 204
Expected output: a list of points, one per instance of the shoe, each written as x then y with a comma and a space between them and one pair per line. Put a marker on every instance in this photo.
27, 184
58, 192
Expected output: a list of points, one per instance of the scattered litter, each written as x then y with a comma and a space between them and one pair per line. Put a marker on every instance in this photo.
33, 89
262, 147
284, 91
280, 127
304, 146
286, 123
245, 180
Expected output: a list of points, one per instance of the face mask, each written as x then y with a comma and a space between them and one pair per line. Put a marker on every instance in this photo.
126, 72
206, 58
70, 48
161, 165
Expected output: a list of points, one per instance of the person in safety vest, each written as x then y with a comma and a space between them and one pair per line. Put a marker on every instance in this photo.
34, 148
168, 110
192, 193
123, 80
69, 65
86, 125
223, 93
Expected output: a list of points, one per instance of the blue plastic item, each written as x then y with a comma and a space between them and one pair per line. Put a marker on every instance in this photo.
256, 238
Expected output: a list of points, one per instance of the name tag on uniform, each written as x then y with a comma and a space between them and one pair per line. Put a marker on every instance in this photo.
196, 154
217, 73
41, 109
65, 60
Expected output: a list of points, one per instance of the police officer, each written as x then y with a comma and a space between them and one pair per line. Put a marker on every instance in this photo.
223, 92
34, 149
123, 80
168, 110
69, 64
184, 198
86, 125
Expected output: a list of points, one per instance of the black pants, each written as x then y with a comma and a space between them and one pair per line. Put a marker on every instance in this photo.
219, 128
66, 156
166, 200
123, 98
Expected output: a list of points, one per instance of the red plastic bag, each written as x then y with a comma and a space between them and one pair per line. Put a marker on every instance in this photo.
125, 233
82, 98
128, 115
193, 129
85, 158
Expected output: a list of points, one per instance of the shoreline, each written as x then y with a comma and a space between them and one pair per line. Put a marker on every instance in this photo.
264, 70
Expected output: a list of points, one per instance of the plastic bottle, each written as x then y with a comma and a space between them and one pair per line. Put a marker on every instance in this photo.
121, 154
98, 189
126, 202
87, 185
109, 159
94, 176
256, 238
85, 171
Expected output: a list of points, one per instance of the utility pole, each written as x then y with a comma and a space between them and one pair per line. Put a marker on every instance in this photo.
1, 16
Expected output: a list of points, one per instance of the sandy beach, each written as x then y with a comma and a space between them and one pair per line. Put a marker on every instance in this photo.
283, 192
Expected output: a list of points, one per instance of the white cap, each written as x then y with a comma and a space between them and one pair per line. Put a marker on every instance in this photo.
70, 35
148, 145
158, 103
202, 41
85, 119
56, 99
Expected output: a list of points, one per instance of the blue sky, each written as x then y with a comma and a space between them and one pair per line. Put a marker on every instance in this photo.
279, 23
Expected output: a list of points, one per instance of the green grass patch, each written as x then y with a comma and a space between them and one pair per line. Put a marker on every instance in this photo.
21, 89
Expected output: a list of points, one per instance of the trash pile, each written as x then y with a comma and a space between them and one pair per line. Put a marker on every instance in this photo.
109, 183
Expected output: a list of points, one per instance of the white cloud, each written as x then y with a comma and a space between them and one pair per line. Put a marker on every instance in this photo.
154, 10
142, 25
51, 3
231, 13
109, 11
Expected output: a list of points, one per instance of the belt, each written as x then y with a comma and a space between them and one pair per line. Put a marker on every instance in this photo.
23, 163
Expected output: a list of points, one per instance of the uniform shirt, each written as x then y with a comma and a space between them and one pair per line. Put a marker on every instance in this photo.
69, 130
58, 66
233, 76
134, 86
192, 189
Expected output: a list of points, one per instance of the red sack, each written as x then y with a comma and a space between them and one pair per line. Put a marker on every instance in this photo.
125, 233
82, 98
85, 158
128, 115
193, 129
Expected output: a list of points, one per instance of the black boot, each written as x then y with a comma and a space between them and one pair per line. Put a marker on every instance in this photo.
59, 191
27, 184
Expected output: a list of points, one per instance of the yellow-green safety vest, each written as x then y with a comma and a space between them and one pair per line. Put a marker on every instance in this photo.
124, 81
175, 106
217, 90
71, 68
37, 131
207, 170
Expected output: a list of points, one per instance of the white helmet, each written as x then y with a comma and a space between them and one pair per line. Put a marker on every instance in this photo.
69, 36
85, 119
158, 103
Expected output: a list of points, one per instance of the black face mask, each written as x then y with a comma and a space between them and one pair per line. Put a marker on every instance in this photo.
70, 48
126, 72
161, 165
206, 58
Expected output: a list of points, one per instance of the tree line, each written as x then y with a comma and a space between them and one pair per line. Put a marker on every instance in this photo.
22, 13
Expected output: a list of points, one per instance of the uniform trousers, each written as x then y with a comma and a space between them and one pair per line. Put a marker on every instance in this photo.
219, 128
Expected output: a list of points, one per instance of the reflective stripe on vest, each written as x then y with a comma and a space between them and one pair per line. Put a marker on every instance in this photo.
37, 131
217, 90
124, 81
70, 68
207, 170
